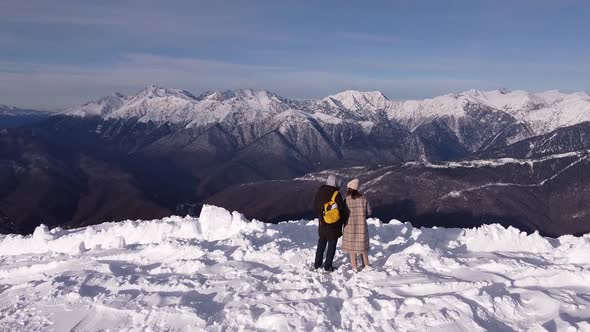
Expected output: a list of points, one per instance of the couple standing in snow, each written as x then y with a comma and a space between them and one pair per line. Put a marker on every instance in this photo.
351, 223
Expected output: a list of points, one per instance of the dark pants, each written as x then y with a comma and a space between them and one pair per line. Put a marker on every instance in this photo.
319, 254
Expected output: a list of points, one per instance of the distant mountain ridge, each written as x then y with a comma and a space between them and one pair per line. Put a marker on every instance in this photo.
6, 110
564, 140
543, 111
11, 116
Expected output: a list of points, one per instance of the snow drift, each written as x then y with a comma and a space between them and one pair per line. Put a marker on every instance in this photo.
221, 272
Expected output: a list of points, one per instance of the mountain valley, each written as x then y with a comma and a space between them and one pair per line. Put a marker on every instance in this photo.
166, 151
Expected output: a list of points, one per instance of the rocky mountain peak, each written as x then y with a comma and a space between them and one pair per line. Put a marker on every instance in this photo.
157, 91
352, 99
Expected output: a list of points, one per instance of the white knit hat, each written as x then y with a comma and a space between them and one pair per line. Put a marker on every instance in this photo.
354, 184
333, 181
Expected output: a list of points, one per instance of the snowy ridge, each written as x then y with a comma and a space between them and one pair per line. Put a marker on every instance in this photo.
544, 111
222, 272
354, 100
163, 105
498, 162
6, 110
346, 172
102, 107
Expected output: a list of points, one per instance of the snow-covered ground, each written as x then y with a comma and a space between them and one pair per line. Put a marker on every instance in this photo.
222, 273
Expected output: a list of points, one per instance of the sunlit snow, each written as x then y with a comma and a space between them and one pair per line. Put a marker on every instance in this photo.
222, 272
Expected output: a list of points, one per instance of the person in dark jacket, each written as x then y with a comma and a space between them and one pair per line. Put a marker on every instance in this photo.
328, 233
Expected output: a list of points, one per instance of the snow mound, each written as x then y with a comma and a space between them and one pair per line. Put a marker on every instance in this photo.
497, 238
104, 236
218, 224
222, 272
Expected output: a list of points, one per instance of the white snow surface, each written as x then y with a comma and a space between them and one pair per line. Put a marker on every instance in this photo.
221, 272
543, 111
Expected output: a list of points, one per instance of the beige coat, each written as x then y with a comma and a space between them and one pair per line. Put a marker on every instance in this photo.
356, 233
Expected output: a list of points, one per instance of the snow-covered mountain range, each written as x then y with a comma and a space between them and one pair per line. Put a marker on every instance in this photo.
164, 151
162, 105
543, 111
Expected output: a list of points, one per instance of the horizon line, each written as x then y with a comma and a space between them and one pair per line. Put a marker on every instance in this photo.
197, 95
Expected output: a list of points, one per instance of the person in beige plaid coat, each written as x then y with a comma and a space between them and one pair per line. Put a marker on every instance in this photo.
355, 238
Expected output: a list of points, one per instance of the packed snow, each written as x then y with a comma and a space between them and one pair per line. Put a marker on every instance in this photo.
221, 272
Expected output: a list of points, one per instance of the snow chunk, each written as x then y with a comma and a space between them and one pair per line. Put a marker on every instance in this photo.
576, 249
42, 233
219, 224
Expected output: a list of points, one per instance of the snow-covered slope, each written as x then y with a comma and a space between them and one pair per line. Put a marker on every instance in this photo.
356, 102
103, 107
543, 111
220, 272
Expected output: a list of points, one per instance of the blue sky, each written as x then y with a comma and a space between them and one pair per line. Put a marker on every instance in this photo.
59, 53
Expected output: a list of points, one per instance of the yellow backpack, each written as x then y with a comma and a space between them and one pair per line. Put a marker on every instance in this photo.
331, 212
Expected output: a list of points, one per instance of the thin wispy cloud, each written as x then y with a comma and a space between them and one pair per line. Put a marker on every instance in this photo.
70, 84
64, 52
6, 39
373, 38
